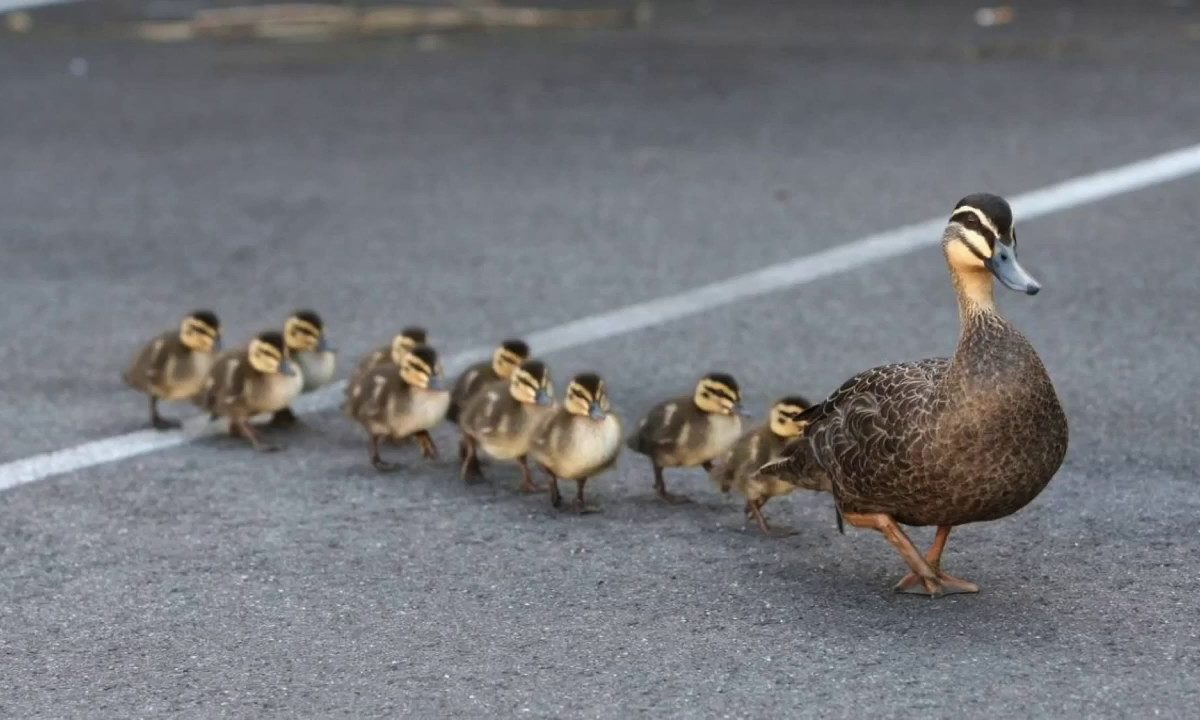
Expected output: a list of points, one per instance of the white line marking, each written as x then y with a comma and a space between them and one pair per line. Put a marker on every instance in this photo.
9, 5
873, 248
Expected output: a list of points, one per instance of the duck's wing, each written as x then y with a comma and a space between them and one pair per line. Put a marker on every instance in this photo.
868, 429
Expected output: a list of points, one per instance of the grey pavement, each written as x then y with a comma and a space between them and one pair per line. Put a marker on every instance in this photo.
498, 185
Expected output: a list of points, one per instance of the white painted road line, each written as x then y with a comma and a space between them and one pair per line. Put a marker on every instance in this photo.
782, 276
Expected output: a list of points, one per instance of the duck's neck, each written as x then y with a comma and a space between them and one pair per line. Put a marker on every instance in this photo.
974, 291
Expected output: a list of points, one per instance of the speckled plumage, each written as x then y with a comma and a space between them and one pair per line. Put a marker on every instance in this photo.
942, 441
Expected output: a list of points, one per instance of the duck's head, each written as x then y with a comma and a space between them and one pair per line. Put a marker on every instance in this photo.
980, 238
200, 331
718, 394
530, 384
305, 332
409, 338
509, 356
421, 368
785, 416
587, 397
268, 354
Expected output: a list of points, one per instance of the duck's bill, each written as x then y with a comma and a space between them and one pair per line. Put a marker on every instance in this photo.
542, 398
435, 382
286, 368
1007, 270
596, 412
740, 409
324, 346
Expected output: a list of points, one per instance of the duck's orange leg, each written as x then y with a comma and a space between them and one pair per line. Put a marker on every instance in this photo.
910, 583
927, 577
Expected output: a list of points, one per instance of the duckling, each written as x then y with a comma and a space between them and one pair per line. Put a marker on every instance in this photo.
944, 441
257, 380
174, 364
506, 358
690, 431
400, 401
409, 338
309, 350
501, 418
767, 442
578, 440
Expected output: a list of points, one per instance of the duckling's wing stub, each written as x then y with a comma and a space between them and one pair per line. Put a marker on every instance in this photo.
147, 367
659, 429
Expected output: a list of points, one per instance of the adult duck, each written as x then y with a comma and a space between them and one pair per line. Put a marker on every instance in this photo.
944, 441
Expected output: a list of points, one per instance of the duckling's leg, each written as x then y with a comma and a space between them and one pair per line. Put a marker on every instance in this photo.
376, 459
910, 583
428, 447
884, 523
470, 472
579, 505
754, 507
555, 496
527, 483
660, 487
242, 427
158, 422
283, 418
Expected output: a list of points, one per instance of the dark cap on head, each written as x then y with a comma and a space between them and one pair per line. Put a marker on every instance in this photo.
725, 379
414, 333
994, 207
427, 354
273, 338
309, 317
589, 381
516, 347
208, 317
797, 400
536, 368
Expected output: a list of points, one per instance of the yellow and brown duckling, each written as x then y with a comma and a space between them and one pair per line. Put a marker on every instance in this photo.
501, 418
406, 340
738, 468
944, 441
173, 365
690, 431
580, 439
259, 379
308, 348
505, 359
400, 401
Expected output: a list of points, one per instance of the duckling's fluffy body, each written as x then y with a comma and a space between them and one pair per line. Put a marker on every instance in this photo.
575, 446
387, 405
677, 433
168, 369
501, 425
235, 388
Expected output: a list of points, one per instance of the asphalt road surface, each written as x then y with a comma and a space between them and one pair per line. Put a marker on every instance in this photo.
495, 185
